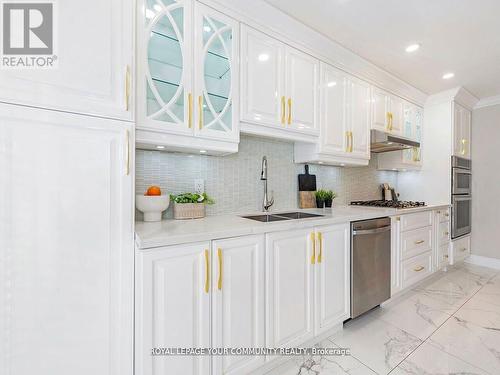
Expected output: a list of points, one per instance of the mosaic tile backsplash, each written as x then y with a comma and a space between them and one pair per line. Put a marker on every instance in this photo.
234, 183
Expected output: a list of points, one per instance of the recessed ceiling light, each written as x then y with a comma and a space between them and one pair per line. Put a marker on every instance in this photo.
412, 47
150, 14
331, 84
207, 29
159, 147
203, 151
263, 57
448, 75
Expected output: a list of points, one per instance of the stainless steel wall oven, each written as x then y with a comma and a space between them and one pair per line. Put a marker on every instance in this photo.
461, 197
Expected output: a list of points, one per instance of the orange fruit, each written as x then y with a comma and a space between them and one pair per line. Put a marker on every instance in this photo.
153, 190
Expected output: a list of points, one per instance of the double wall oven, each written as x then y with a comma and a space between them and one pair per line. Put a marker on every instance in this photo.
461, 196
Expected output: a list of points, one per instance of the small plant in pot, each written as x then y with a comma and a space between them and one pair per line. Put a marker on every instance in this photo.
190, 205
320, 198
329, 197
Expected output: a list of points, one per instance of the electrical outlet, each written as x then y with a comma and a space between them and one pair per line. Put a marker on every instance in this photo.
199, 186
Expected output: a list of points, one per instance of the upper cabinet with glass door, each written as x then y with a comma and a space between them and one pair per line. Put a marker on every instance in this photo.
461, 131
187, 78
410, 159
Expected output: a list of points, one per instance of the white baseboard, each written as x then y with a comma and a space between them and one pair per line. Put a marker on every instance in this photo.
484, 261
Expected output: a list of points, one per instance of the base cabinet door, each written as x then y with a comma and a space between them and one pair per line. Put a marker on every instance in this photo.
289, 278
173, 308
238, 302
332, 277
66, 244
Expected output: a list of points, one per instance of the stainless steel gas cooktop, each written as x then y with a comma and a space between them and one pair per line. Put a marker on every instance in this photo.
389, 204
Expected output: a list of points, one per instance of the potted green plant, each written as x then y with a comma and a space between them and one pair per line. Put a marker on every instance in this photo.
190, 205
329, 197
320, 198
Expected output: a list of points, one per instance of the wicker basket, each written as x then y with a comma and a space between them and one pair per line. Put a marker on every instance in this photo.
189, 210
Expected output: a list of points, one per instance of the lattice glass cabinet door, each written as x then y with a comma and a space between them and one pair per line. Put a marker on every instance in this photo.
166, 60
216, 74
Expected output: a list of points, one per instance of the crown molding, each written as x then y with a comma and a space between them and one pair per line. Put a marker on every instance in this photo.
488, 102
457, 94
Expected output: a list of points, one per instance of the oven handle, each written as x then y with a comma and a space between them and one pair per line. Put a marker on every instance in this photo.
371, 231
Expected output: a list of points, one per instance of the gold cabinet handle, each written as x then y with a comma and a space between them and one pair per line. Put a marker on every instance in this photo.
219, 255
127, 88
283, 110
320, 240
190, 110
313, 241
347, 146
289, 111
463, 249
388, 125
351, 141
419, 242
464, 141
447, 214
445, 256
438, 212
207, 271
127, 152
446, 233
200, 111
419, 268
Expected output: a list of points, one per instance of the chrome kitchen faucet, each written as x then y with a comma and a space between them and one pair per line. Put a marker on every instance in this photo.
266, 204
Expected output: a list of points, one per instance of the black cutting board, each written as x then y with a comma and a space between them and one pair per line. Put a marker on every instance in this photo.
307, 182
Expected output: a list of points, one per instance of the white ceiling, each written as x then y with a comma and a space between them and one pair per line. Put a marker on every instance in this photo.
460, 36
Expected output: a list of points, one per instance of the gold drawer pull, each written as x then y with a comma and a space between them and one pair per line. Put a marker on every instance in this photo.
207, 272
419, 242
463, 249
419, 268
446, 233
313, 256
445, 257
320, 240
219, 255
190, 110
289, 111
447, 214
200, 112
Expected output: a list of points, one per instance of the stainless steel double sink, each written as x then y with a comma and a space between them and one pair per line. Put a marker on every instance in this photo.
267, 218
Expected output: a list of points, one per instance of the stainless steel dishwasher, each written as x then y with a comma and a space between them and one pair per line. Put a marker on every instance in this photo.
370, 264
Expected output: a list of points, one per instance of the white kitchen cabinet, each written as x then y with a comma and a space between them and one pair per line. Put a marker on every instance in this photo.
461, 131
238, 302
188, 78
279, 88
289, 286
262, 79
301, 90
344, 121
94, 72
173, 308
332, 277
460, 249
387, 112
410, 159
66, 243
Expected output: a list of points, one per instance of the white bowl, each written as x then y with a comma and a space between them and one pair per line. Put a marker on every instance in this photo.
152, 205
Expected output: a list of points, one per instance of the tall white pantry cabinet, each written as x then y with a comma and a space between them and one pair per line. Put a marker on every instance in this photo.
66, 198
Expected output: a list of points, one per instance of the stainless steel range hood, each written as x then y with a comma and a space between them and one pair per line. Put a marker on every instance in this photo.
384, 142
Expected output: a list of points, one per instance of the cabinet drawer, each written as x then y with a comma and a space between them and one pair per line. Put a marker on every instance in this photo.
418, 220
416, 268
443, 255
444, 233
416, 242
460, 249
443, 215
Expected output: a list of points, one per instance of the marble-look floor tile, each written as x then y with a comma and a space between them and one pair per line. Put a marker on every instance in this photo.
376, 343
472, 343
429, 360
416, 313
481, 310
323, 365
491, 288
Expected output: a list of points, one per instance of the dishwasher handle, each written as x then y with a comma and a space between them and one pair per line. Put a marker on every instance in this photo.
371, 231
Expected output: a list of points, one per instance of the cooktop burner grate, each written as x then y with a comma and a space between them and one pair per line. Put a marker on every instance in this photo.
389, 204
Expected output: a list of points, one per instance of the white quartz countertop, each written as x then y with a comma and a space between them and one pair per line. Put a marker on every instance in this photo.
173, 232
